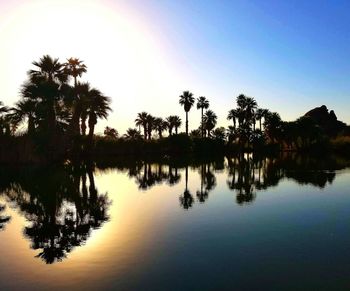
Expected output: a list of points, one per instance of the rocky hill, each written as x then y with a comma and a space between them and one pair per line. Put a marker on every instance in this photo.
327, 121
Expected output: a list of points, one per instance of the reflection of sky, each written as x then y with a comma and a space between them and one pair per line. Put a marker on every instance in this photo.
151, 240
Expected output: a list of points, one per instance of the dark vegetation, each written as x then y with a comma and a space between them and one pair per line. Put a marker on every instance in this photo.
60, 113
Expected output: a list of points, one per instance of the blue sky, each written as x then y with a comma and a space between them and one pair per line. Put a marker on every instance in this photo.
291, 56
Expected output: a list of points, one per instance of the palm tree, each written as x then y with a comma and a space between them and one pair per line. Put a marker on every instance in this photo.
210, 120
160, 125
150, 125
233, 114
202, 103
98, 107
177, 122
170, 124
132, 134
259, 115
25, 108
272, 126
75, 68
48, 77
173, 121
141, 120
187, 101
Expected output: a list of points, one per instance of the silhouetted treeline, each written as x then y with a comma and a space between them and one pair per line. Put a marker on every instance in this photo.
60, 113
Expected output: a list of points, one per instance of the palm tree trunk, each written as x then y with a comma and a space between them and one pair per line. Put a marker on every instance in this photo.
31, 125
186, 123
145, 131
202, 123
83, 125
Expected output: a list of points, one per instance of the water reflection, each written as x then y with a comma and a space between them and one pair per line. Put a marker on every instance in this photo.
61, 205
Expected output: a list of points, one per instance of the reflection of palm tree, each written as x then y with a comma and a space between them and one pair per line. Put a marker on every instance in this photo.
243, 179
186, 200
173, 177
63, 219
202, 194
187, 101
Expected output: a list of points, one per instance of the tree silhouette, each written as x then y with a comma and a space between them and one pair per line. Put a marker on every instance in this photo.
141, 120
186, 200
132, 134
202, 103
75, 68
187, 101
209, 120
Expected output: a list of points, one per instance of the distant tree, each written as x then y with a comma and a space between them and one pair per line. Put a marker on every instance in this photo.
187, 101
196, 133
209, 120
219, 134
160, 125
132, 134
272, 126
141, 120
150, 125
177, 123
111, 132
202, 103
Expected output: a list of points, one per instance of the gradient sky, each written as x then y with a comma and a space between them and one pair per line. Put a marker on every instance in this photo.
290, 56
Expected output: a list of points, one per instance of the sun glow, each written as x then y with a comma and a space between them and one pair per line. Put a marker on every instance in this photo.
124, 60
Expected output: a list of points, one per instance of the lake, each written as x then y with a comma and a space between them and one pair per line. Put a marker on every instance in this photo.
237, 223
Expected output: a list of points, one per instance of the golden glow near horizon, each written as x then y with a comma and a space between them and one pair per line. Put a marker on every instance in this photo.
124, 60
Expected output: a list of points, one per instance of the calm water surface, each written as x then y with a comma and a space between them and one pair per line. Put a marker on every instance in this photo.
229, 224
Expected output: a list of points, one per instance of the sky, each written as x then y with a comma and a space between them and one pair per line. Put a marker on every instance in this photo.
291, 56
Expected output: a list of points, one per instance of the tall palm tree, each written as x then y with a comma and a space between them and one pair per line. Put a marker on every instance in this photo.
210, 120
98, 108
141, 120
187, 101
202, 103
75, 68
